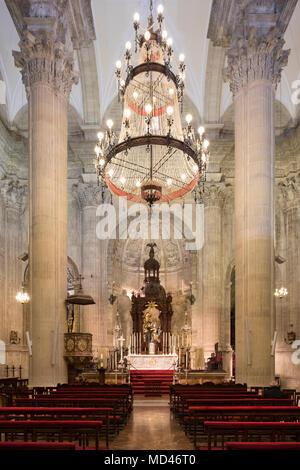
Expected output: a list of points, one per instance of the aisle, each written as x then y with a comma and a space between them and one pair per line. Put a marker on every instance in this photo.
151, 427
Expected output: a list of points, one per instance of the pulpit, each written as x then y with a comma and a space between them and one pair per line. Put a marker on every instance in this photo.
152, 312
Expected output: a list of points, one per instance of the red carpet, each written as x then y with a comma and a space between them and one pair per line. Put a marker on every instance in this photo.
151, 383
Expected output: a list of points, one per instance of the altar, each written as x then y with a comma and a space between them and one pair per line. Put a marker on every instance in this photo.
152, 361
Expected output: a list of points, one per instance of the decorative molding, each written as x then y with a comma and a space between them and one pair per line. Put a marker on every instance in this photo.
14, 194
74, 15
235, 17
288, 192
255, 58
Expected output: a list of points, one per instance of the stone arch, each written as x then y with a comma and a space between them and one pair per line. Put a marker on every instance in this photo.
283, 117
72, 275
178, 268
74, 120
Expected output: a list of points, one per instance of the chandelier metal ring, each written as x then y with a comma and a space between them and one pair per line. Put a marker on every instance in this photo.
143, 140
151, 67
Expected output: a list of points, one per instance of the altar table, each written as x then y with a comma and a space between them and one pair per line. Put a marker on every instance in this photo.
152, 361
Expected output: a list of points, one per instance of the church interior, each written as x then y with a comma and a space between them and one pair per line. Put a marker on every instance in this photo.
149, 225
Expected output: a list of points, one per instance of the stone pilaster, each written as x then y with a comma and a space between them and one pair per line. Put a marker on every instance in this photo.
227, 264
47, 67
13, 195
254, 66
89, 197
212, 271
287, 308
290, 205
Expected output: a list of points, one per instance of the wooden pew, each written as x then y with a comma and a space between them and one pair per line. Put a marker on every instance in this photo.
219, 432
263, 446
82, 431
122, 396
176, 390
21, 446
196, 416
180, 402
184, 405
111, 421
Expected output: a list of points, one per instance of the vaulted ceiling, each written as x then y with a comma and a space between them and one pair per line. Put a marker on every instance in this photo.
186, 22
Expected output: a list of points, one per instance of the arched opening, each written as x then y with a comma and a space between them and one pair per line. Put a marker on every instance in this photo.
232, 308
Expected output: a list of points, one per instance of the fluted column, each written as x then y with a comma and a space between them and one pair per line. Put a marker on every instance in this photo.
212, 266
89, 197
254, 66
46, 62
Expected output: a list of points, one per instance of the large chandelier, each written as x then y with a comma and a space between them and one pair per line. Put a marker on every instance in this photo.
153, 159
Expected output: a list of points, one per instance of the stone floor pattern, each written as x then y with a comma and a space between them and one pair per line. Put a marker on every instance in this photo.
151, 427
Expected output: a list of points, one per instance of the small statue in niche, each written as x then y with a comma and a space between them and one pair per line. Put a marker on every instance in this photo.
13, 337
70, 317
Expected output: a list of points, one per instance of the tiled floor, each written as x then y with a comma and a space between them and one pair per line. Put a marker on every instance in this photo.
151, 427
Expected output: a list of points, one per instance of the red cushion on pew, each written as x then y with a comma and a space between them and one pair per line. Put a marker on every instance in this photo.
45, 424
89, 448
48, 409
244, 408
37, 446
252, 424
263, 446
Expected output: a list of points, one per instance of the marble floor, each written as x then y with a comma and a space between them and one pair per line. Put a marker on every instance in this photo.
151, 427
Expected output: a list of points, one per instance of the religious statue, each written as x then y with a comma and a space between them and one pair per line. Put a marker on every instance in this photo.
150, 328
13, 337
70, 317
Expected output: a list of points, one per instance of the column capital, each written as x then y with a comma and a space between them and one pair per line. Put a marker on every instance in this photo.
215, 193
88, 194
43, 59
13, 193
255, 58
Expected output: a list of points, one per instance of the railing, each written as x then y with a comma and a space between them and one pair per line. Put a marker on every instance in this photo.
13, 371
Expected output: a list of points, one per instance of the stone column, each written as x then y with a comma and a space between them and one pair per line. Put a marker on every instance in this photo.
254, 66
212, 266
46, 62
89, 197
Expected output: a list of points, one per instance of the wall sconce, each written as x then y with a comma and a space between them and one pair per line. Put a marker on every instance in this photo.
22, 296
